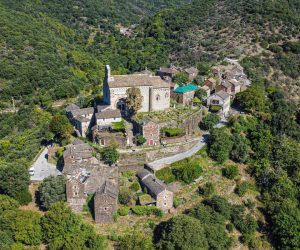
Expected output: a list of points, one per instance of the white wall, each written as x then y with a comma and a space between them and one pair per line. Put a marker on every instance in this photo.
108, 121
161, 103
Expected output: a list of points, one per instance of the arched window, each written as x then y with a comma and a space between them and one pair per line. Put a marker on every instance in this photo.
157, 97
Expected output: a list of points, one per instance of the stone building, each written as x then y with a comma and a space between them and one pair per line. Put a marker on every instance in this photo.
185, 94
105, 202
107, 117
222, 99
192, 73
104, 136
155, 92
211, 83
150, 129
157, 189
81, 119
167, 73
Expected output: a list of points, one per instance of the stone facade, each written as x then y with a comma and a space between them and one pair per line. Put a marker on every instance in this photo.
157, 189
155, 91
149, 129
105, 202
105, 137
75, 193
222, 99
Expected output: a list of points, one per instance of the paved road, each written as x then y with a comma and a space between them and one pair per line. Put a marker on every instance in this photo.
43, 168
161, 163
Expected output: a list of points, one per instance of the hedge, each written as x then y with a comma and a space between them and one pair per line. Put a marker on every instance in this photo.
147, 210
171, 132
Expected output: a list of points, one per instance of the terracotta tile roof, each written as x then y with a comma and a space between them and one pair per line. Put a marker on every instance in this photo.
135, 80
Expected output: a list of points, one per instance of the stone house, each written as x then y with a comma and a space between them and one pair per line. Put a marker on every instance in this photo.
206, 89
107, 117
235, 86
167, 73
225, 86
155, 91
75, 191
185, 94
211, 83
222, 99
81, 119
105, 202
192, 73
157, 189
149, 129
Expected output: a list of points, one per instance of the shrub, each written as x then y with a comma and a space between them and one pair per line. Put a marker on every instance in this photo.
123, 211
215, 108
165, 175
140, 139
147, 210
188, 171
23, 197
209, 121
220, 205
230, 172
229, 227
207, 190
135, 186
110, 155
124, 197
171, 132
242, 188
118, 126
178, 202
249, 204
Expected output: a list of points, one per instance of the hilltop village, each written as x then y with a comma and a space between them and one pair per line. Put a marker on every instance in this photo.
165, 123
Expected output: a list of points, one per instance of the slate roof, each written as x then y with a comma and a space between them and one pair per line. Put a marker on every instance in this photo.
191, 70
85, 111
84, 151
81, 119
223, 94
77, 142
108, 188
151, 182
234, 82
102, 107
71, 107
109, 113
135, 80
226, 84
186, 88
168, 70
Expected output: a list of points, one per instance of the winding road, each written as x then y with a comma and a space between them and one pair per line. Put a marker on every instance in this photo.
161, 163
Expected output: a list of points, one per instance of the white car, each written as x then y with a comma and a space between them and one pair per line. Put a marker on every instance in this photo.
31, 171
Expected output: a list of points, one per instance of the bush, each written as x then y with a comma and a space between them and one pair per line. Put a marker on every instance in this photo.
124, 197
241, 189
187, 171
178, 202
118, 126
230, 172
215, 108
165, 175
147, 210
207, 190
123, 211
140, 139
135, 186
249, 204
209, 121
220, 205
110, 155
23, 197
229, 227
52, 190
171, 132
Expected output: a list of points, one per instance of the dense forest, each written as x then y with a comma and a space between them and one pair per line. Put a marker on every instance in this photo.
56, 50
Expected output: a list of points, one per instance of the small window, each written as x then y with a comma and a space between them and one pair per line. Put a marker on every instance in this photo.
165, 204
157, 97
106, 208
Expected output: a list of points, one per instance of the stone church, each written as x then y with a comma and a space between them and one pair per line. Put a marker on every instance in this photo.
155, 91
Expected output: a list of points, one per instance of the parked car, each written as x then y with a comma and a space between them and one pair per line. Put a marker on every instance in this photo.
31, 171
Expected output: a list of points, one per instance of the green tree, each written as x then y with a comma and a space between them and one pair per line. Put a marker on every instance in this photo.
187, 171
61, 127
110, 155
253, 99
134, 100
27, 228
7, 203
219, 145
135, 241
64, 230
14, 179
51, 190
140, 139
230, 172
207, 189
181, 78
180, 232
209, 121
240, 149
